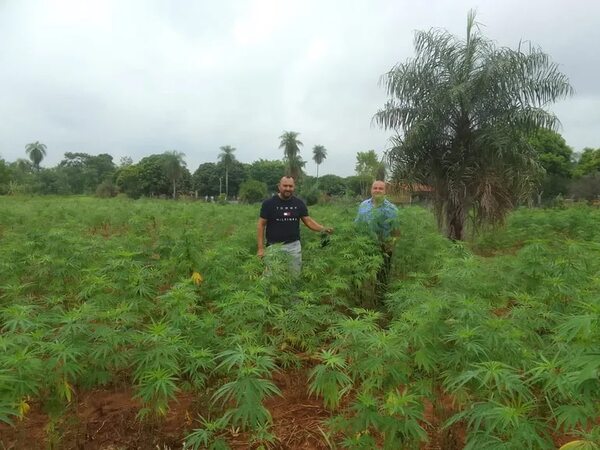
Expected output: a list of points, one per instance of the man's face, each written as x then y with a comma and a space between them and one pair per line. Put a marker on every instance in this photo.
378, 190
286, 187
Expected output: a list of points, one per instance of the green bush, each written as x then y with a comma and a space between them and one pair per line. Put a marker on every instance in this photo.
106, 189
253, 191
586, 187
310, 195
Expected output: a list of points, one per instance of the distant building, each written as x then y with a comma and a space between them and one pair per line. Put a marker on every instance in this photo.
407, 193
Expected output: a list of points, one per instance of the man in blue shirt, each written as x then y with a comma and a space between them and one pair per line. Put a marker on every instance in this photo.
380, 216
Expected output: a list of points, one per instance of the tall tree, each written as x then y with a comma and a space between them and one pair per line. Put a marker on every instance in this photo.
332, 184
36, 152
586, 187
367, 164
125, 161
462, 111
23, 166
290, 144
129, 180
152, 175
268, 171
206, 179
588, 163
556, 157
368, 168
253, 191
5, 176
174, 167
237, 175
226, 157
85, 172
319, 155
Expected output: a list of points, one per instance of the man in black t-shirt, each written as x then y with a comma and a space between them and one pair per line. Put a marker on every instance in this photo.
280, 216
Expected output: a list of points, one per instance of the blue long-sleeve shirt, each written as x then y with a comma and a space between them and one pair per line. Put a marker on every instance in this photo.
381, 220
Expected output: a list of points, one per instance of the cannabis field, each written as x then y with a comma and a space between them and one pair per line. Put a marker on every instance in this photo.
109, 340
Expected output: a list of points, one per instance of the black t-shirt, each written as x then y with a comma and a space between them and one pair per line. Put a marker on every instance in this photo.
283, 219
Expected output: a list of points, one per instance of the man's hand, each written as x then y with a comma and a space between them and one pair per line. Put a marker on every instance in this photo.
260, 236
389, 244
315, 226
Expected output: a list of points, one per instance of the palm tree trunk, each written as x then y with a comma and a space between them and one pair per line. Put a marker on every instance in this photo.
317, 175
226, 183
455, 220
174, 189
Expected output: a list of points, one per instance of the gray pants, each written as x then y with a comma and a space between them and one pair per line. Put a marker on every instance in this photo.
293, 253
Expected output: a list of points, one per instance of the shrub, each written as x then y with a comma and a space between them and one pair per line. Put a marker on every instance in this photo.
310, 195
253, 191
587, 187
106, 189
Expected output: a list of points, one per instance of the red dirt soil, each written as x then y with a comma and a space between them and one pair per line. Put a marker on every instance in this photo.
105, 419
101, 419
297, 418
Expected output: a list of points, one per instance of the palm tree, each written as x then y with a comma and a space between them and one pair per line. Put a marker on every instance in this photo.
291, 152
319, 155
174, 167
227, 158
36, 152
462, 111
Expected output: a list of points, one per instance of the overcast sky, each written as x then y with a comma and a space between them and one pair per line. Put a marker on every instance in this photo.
132, 78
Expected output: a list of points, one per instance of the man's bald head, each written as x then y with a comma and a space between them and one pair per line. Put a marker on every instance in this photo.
378, 188
286, 179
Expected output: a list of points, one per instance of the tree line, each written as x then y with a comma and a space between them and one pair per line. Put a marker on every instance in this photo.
565, 173
167, 175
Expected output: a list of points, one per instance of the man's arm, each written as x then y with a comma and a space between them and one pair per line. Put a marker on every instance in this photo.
314, 226
260, 236
359, 216
362, 214
391, 241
